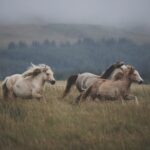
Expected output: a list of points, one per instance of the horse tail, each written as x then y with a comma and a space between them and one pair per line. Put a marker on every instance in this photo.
5, 89
70, 82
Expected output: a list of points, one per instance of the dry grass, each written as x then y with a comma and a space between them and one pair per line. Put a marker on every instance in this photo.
59, 124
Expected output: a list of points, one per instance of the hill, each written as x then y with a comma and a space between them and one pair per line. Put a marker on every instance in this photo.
72, 49
68, 32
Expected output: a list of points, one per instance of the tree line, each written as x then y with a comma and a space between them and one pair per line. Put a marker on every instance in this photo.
68, 57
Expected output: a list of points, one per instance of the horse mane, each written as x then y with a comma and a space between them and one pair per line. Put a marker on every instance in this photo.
34, 70
109, 71
124, 72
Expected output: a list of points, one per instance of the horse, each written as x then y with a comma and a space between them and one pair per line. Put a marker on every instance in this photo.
28, 84
114, 89
85, 80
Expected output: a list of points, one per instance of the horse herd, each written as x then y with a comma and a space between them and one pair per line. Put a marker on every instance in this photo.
113, 84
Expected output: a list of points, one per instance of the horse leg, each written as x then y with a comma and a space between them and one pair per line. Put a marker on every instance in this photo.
43, 95
130, 97
84, 95
78, 98
122, 100
93, 97
12, 96
36, 95
81, 97
136, 100
44, 98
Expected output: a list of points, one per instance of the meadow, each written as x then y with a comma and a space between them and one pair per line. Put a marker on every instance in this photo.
60, 124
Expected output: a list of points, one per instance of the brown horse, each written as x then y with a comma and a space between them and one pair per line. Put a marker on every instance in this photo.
85, 80
114, 89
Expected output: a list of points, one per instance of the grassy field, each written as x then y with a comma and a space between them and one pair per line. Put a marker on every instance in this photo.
59, 124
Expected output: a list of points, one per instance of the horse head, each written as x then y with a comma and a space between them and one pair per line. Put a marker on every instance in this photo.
134, 75
44, 70
49, 75
129, 72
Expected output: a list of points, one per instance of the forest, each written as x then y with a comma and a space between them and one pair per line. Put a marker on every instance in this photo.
66, 58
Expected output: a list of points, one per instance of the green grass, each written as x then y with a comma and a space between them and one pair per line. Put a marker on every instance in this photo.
59, 124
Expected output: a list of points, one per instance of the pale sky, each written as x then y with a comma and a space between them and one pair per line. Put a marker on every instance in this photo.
104, 12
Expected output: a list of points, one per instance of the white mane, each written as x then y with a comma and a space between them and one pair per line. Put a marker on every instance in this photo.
116, 71
35, 69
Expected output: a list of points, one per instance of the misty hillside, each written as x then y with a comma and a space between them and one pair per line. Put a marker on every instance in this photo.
68, 32
72, 49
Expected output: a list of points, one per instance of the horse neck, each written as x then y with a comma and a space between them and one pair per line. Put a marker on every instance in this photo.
127, 83
39, 78
112, 75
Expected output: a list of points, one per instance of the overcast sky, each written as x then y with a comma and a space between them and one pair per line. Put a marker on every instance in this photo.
104, 12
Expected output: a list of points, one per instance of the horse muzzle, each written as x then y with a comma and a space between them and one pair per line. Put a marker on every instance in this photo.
52, 82
141, 81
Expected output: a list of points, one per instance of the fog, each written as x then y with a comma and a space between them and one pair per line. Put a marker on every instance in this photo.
104, 12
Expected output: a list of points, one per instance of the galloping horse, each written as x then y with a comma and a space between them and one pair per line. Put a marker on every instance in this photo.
29, 84
85, 80
111, 90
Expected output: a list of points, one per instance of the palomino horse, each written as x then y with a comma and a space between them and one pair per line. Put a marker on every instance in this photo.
85, 80
29, 84
114, 89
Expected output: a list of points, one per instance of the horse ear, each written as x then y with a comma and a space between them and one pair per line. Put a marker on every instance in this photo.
118, 76
36, 71
45, 69
32, 64
118, 64
131, 70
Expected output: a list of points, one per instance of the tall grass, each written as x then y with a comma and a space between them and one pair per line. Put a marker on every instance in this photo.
59, 124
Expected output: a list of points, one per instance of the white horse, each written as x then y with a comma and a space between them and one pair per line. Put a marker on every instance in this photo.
29, 84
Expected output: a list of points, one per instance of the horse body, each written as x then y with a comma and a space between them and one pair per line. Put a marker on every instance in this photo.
11, 80
22, 88
29, 87
7, 85
30, 83
109, 89
85, 80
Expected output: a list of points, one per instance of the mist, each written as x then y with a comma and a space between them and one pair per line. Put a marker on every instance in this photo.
103, 12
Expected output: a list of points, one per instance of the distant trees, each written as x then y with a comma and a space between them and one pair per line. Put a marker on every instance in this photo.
47, 43
12, 45
65, 44
85, 54
35, 44
88, 42
22, 44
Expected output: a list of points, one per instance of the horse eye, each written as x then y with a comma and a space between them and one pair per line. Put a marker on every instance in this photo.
47, 74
